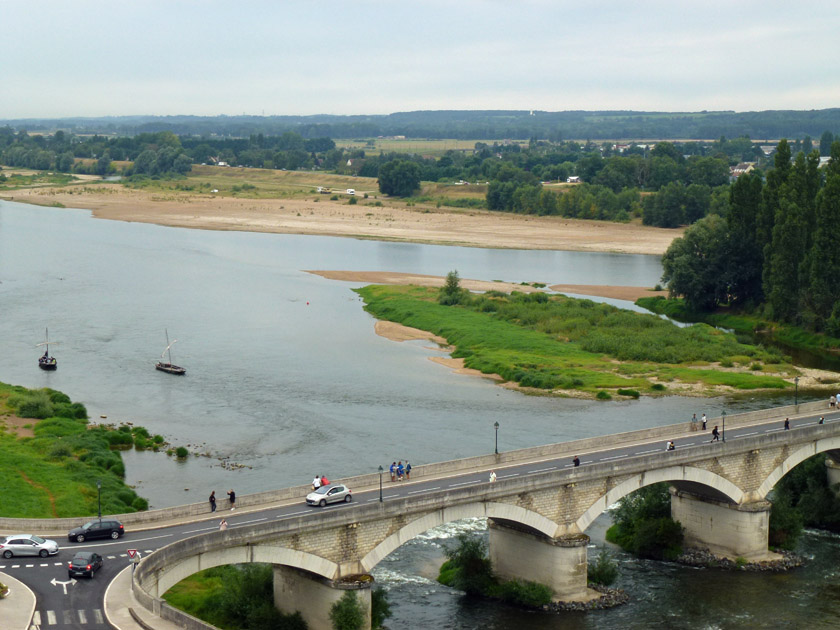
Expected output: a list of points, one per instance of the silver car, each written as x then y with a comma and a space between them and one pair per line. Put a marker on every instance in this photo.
329, 494
27, 545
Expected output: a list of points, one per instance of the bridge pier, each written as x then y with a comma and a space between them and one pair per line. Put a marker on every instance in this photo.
313, 595
559, 563
725, 529
832, 471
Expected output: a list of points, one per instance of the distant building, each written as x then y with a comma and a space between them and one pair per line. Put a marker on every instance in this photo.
768, 149
744, 167
573, 179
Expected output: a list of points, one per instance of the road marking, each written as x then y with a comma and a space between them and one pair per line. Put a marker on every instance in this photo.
36, 618
421, 491
688, 444
539, 470
746, 434
44, 565
653, 450
68, 617
111, 557
464, 483
511, 475
203, 529
82, 616
97, 614
256, 520
772, 430
16, 566
604, 459
280, 516
51, 618
29, 566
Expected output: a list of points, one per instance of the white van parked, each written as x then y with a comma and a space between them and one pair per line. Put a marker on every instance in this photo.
351, 191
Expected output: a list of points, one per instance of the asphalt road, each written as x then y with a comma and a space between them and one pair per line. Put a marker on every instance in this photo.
68, 603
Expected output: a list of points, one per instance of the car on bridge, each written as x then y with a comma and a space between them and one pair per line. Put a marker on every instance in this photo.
329, 494
84, 563
96, 529
27, 545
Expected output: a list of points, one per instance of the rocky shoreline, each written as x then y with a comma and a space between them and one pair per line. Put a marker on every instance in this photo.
704, 558
610, 597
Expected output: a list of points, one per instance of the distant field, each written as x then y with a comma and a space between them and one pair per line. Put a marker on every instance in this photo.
435, 148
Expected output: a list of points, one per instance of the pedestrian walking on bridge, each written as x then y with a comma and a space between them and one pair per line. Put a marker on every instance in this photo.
715, 435
787, 424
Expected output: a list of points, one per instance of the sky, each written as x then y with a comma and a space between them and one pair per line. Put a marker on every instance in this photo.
61, 58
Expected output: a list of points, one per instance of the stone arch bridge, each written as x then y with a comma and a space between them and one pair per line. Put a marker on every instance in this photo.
537, 523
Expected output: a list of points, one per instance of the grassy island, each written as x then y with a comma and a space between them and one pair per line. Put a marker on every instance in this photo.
51, 459
578, 347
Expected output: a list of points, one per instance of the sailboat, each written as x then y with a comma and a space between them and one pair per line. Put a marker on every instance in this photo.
169, 367
46, 362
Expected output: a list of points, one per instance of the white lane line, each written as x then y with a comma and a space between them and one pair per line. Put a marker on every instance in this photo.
464, 483
29, 566
426, 490
687, 444
539, 470
16, 566
82, 616
58, 564
51, 618
97, 614
123, 555
44, 565
510, 475
773, 430
279, 516
746, 434
111, 557
605, 459
256, 520
203, 529
653, 450
36, 618
68, 617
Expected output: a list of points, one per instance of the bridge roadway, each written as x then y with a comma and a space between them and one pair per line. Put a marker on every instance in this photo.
82, 604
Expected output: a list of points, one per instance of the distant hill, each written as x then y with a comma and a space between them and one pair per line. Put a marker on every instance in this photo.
475, 124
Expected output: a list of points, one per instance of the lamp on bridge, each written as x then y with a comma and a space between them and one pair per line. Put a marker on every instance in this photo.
723, 422
99, 497
796, 391
496, 426
380, 482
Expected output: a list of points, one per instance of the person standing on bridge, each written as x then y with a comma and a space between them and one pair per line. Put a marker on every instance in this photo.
576, 461
787, 424
408, 470
492, 476
715, 435
213, 501
703, 420
316, 483
822, 420
223, 525
394, 471
232, 497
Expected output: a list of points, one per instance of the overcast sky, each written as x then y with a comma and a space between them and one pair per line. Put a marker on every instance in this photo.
207, 57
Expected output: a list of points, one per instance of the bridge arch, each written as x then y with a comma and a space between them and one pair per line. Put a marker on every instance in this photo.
170, 573
428, 521
794, 459
670, 474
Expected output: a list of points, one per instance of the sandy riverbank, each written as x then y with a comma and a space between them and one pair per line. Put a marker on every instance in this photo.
419, 224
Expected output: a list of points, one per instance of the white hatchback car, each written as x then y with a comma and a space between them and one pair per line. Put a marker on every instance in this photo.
27, 545
329, 494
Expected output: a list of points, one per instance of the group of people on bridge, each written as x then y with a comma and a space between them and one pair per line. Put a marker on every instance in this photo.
400, 472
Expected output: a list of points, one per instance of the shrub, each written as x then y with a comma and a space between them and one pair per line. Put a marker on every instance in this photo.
603, 395
35, 405
469, 565
380, 608
352, 201
181, 452
658, 387
755, 366
347, 613
629, 392
524, 593
604, 570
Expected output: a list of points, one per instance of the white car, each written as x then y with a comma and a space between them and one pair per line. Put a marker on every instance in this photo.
329, 494
27, 545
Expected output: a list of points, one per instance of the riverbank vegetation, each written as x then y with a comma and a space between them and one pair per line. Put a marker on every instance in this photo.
468, 569
573, 346
241, 597
642, 524
50, 459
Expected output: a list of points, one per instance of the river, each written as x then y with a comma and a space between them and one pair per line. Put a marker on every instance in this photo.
286, 377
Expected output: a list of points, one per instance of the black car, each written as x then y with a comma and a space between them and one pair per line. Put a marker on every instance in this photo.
96, 529
84, 563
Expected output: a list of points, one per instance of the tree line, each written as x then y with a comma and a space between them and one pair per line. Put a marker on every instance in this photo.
774, 251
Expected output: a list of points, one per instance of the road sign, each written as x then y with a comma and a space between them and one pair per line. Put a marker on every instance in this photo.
132, 553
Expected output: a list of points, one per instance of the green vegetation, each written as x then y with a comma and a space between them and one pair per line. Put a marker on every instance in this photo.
559, 343
347, 613
233, 597
805, 489
468, 568
399, 178
643, 525
53, 473
603, 570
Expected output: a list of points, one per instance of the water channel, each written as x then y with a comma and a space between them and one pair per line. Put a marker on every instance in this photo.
287, 378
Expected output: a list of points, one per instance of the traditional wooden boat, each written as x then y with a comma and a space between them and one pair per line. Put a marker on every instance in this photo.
168, 366
46, 362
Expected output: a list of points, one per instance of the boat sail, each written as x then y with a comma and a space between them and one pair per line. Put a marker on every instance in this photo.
45, 361
168, 366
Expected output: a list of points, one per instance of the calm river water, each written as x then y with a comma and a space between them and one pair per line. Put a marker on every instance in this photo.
286, 377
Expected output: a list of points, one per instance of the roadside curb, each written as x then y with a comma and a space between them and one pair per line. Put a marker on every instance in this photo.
18, 606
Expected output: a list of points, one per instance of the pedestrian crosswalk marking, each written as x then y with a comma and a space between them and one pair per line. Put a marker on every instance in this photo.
82, 617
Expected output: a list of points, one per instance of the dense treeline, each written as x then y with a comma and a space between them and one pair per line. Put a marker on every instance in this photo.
478, 124
775, 251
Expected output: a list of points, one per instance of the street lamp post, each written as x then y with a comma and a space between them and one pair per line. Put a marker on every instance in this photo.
99, 497
796, 391
723, 422
380, 482
496, 426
